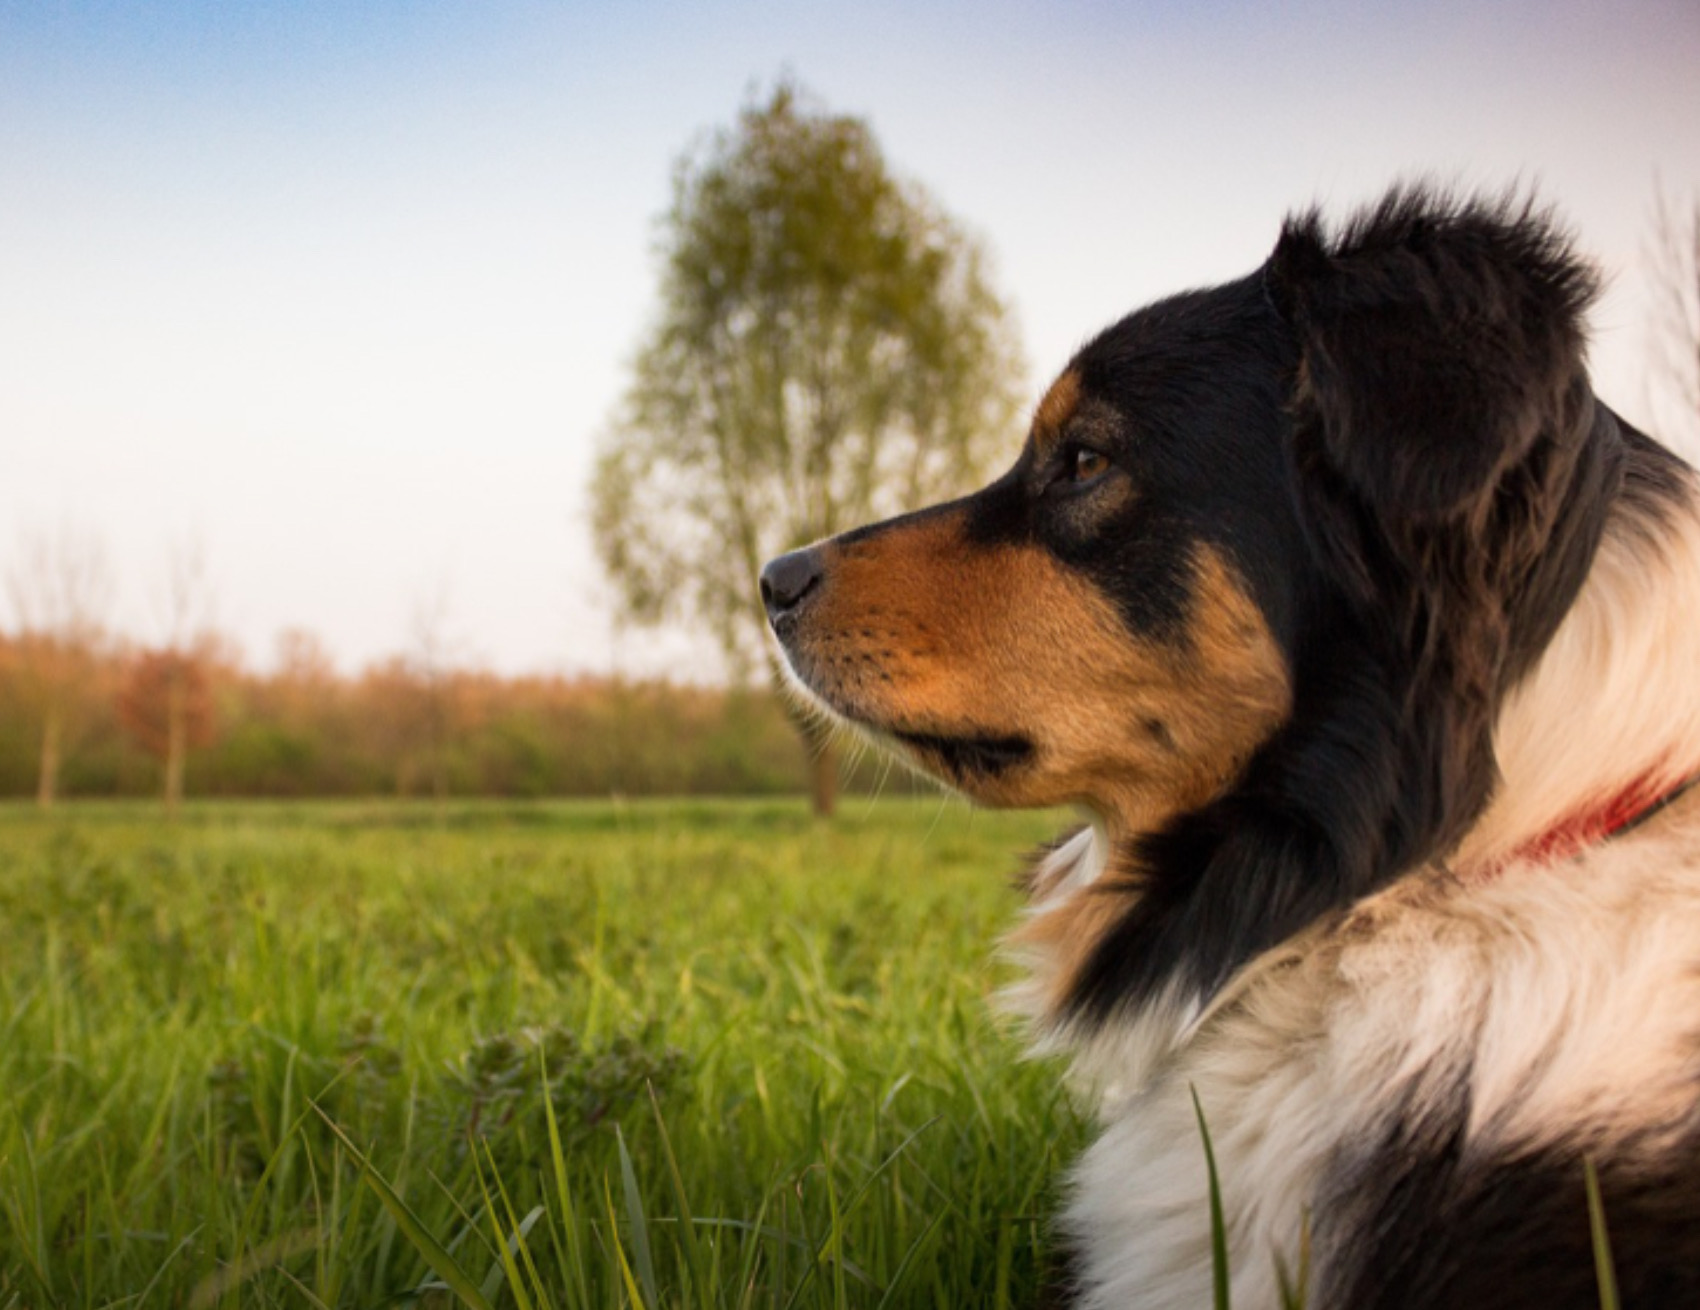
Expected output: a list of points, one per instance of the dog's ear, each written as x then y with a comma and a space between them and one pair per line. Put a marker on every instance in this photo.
1439, 344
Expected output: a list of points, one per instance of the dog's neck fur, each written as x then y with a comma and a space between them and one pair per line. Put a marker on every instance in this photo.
1612, 705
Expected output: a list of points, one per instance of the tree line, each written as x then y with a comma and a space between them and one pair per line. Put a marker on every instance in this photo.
85, 718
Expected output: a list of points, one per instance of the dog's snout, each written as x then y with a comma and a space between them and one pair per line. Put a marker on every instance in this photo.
787, 580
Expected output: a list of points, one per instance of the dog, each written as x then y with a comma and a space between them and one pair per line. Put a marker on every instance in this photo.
1367, 638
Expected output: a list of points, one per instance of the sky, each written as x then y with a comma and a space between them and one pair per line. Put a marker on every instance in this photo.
342, 296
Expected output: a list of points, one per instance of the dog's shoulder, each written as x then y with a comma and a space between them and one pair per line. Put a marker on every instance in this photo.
1411, 1089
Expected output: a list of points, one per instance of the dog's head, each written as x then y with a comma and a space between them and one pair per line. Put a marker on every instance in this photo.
1099, 625
1270, 558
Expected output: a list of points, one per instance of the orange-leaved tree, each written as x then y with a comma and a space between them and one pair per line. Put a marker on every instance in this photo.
165, 703
60, 588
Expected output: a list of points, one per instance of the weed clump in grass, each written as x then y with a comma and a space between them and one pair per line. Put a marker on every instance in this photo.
495, 1091
367, 1054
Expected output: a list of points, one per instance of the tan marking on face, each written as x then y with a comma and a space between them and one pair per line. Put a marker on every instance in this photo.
1228, 698
1055, 410
919, 630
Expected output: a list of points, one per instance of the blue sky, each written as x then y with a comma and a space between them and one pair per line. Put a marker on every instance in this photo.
345, 292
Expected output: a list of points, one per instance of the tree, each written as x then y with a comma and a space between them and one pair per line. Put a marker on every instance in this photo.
166, 699
1675, 260
828, 351
61, 591
440, 690
165, 703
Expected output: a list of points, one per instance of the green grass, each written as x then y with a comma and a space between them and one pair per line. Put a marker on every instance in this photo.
558, 1055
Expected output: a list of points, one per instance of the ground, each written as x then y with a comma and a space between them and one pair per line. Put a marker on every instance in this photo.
695, 1054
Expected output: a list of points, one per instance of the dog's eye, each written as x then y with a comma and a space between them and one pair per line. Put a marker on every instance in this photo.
1083, 465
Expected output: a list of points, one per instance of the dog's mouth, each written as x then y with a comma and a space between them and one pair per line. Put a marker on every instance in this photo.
968, 757
959, 757
862, 688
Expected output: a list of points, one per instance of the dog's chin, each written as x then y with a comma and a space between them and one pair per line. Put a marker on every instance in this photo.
967, 760
979, 763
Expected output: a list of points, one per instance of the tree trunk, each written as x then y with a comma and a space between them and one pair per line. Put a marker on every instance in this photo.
47, 785
440, 773
175, 746
817, 745
439, 720
823, 779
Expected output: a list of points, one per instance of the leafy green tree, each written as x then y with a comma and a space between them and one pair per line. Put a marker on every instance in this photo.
828, 351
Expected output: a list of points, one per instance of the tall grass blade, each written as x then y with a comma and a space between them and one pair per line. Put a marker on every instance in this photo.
834, 1243
699, 1285
752, 1255
352, 1226
806, 1233
1295, 1288
251, 1211
25, 1216
441, 1262
892, 1157
503, 1265
1605, 1270
307, 1293
569, 1248
640, 1225
620, 1250
915, 1248
1218, 1228
142, 1296
520, 1230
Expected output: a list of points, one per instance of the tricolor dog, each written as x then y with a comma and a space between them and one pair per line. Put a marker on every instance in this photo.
1368, 639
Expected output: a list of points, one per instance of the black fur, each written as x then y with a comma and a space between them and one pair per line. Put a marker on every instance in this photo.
1187, 397
1449, 473
1413, 1219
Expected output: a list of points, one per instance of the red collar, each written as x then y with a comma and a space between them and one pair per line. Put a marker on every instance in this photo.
1633, 805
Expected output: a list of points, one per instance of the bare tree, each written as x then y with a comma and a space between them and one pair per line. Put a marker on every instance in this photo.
432, 661
166, 702
60, 589
1674, 260
187, 605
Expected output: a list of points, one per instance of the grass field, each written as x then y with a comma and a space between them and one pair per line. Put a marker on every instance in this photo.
569, 1055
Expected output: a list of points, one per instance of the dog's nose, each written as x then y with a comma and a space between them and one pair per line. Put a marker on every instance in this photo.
786, 580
